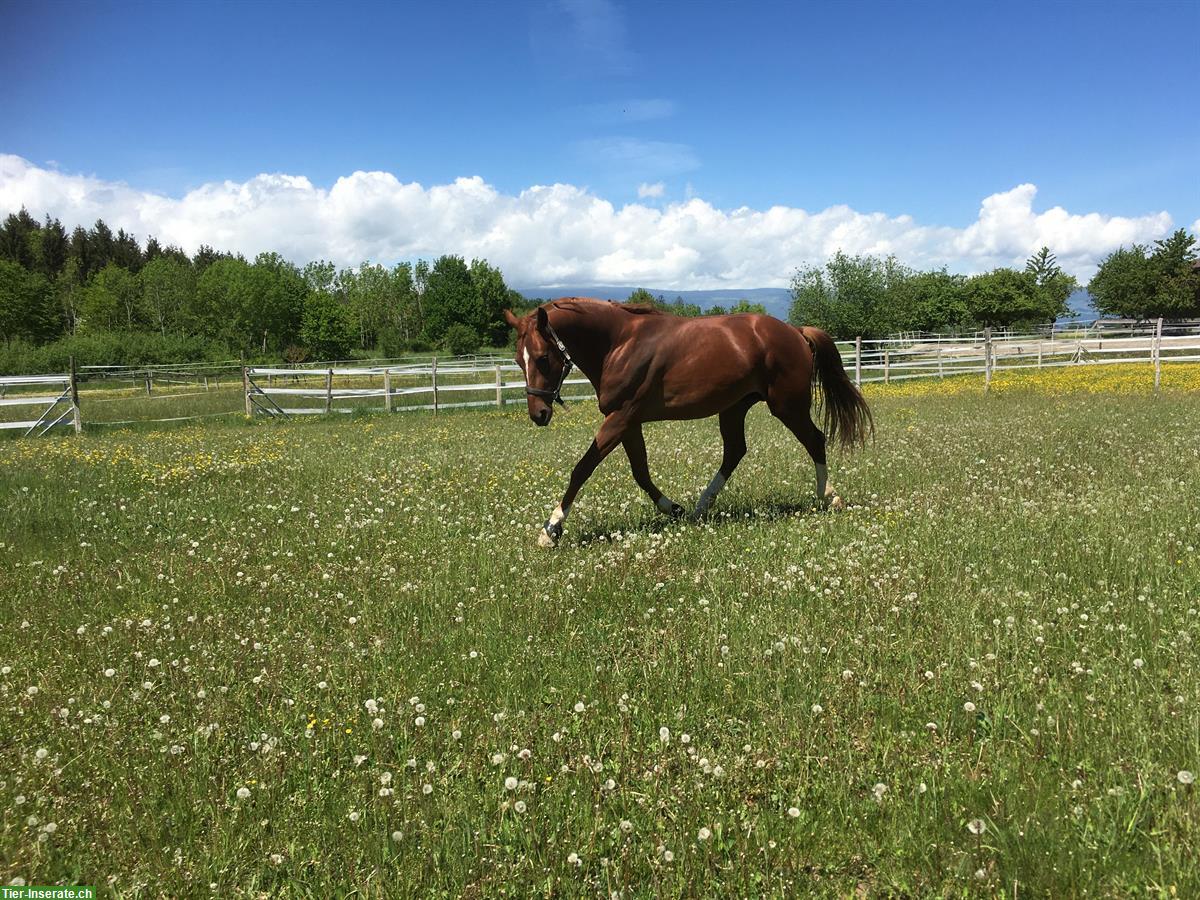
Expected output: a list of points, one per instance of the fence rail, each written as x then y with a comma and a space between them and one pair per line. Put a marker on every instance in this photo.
164, 393
396, 383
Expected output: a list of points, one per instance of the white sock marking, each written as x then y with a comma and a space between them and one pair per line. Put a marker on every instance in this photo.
710, 494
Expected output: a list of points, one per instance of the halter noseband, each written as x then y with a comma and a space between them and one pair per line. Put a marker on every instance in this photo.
568, 364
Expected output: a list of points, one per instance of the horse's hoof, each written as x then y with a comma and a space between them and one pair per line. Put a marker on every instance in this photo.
550, 533
677, 511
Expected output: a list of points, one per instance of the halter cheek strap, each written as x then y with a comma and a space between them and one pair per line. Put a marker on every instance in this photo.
568, 364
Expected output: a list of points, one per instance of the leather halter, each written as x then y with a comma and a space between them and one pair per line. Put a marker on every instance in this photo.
568, 364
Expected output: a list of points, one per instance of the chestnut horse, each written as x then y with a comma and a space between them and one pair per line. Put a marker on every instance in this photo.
648, 366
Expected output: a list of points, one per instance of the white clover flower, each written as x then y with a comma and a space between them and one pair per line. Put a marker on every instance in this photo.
427, 789
456, 734
497, 758
397, 836
109, 673
243, 793
626, 826
419, 721
377, 723
573, 859
817, 709
41, 753
969, 707
668, 856
1138, 663
277, 859
793, 812
879, 790
1185, 777
579, 707
703, 834
685, 738
520, 806
510, 783
354, 816
664, 734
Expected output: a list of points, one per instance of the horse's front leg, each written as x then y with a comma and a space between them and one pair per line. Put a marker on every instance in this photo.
635, 449
610, 434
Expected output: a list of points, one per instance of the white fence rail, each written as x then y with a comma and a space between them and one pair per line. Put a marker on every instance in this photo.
269, 390
55, 407
439, 384
897, 359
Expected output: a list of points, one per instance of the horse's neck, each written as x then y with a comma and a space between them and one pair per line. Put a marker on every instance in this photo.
590, 335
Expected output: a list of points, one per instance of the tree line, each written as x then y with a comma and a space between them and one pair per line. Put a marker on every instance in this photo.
101, 289
869, 296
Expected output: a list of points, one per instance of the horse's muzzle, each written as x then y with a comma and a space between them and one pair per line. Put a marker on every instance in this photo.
542, 417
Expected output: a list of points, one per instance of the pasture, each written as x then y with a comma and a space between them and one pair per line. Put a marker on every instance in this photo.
294, 658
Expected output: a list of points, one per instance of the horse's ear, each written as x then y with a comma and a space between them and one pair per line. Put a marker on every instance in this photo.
542, 319
510, 318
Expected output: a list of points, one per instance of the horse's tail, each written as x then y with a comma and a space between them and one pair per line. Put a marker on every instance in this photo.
846, 418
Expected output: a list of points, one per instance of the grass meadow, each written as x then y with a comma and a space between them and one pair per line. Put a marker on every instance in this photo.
314, 657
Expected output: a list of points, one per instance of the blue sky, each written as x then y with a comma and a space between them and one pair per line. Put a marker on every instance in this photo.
917, 110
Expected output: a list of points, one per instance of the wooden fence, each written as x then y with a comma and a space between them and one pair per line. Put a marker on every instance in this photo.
208, 391
897, 359
436, 385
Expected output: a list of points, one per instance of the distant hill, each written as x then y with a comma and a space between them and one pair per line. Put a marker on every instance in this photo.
1080, 304
776, 300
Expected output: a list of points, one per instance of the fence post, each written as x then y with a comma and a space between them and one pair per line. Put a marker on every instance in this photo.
499, 388
941, 374
1039, 354
76, 418
1157, 354
433, 375
887, 366
328, 390
246, 388
987, 358
149, 383
858, 361
387, 389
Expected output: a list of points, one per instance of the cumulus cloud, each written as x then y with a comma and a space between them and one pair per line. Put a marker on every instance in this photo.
651, 190
557, 234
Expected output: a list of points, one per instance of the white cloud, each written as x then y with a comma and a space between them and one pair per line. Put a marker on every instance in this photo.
651, 190
638, 157
559, 234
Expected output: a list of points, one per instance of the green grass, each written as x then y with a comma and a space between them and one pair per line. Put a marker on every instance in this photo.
262, 585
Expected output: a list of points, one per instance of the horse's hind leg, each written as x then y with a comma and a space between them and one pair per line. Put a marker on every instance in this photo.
635, 449
807, 433
733, 434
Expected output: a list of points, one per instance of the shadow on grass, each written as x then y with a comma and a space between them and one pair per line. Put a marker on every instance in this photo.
747, 509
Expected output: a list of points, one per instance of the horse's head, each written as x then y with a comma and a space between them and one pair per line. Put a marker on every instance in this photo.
543, 360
